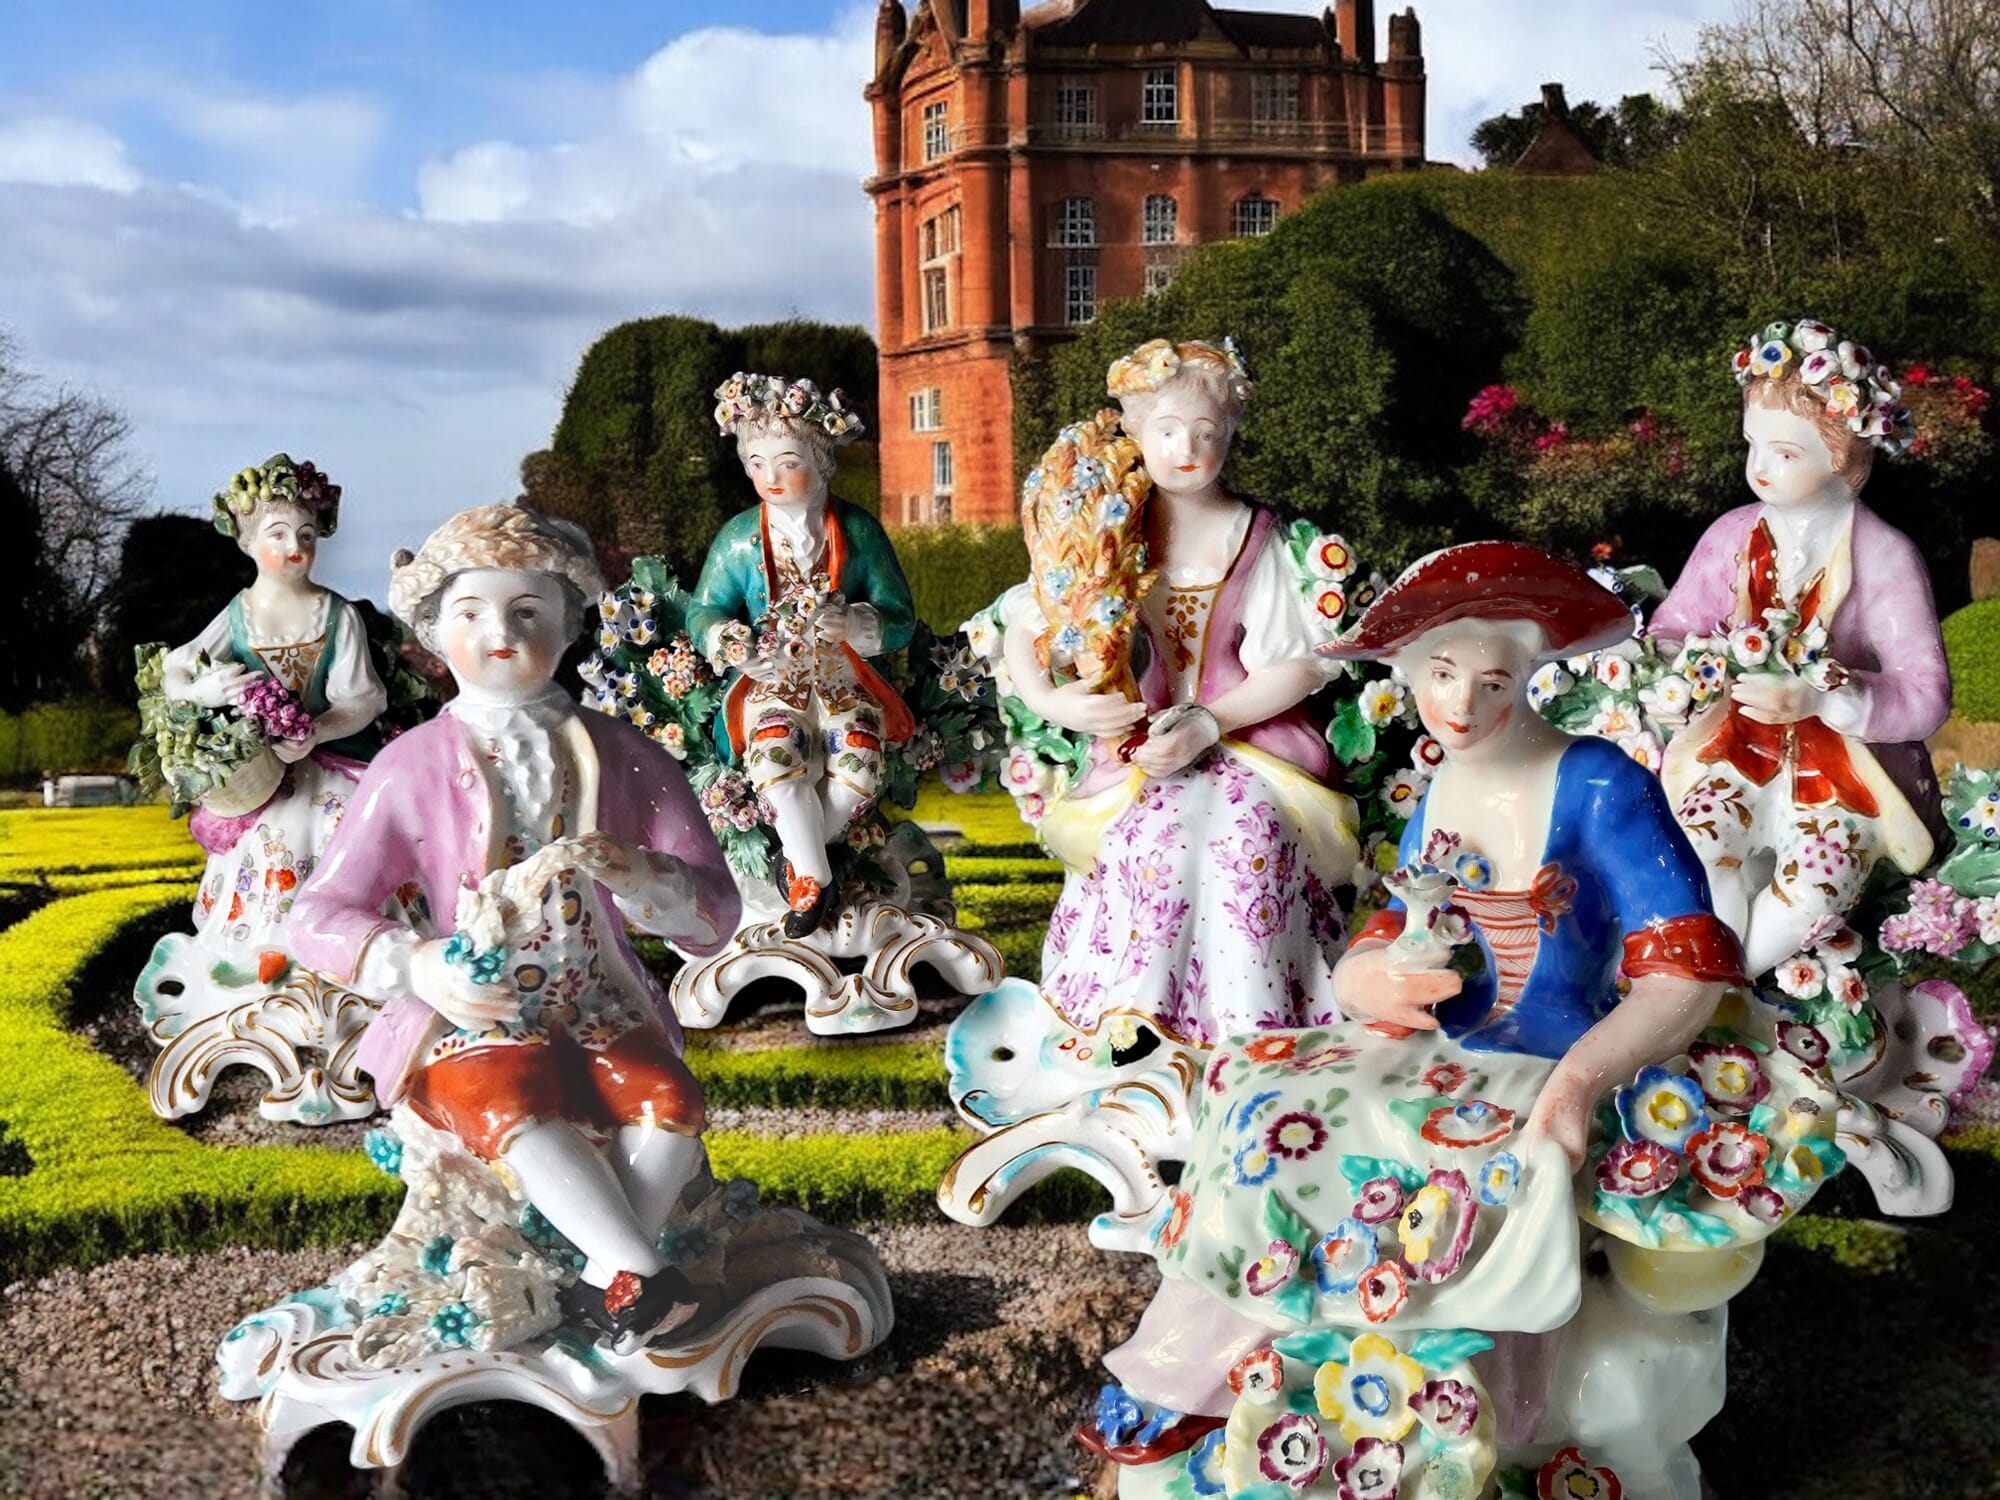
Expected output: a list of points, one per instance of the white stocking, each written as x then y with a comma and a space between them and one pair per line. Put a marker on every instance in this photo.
841, 803
801, 828
655, 1165
575, 1188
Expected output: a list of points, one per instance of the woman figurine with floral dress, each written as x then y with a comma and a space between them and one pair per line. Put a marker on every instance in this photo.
1795, 783
282, 629
1456, 1099
1202, 860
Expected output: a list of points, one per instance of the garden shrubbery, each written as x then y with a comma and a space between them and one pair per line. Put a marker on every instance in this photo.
80, 734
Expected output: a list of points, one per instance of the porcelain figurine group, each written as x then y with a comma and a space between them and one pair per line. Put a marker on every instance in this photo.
1448, 1203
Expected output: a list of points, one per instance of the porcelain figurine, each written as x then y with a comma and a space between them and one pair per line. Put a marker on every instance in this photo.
1794, 783
1157, 664
1482, 1232
770, 684
264, 718
560, 1230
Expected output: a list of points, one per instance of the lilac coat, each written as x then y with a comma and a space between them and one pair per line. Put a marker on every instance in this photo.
424, 814
1884, 630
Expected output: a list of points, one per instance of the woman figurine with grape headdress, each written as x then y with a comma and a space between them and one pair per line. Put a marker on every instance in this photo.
285, 668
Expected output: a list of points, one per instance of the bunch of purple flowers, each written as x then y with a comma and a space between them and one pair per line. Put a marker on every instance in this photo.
275, 709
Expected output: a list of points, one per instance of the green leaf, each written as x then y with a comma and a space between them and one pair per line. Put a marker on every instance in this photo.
1360, 1169
1352, 736
1295, 1300
1321, 1346
1282, 1222
1447, 1346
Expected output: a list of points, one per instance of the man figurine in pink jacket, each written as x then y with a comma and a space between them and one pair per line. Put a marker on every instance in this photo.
1791, 786
531, 832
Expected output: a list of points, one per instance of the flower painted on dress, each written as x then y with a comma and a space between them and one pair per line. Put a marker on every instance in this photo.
1764, 1204
1638, 1169
1728, 1157
1384, 1288
1272, 1269
1442, 1210
1270, 1049
1498, 1178
1368, 1395
1241, 1117
1258, 1377
1445, 1077
1215, 1067
1253, 1164
1323, 1057
1378, 1200
1296, 1135
1291, 1450
1462, 1126
1373, 1470
1174, 1227
1204, 1466
1662, 1107
1568, 1476
1344, 1255
1807, 1043
1731, 1076
1449, 1408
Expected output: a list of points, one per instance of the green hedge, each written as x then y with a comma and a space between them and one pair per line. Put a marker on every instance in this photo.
1972, 643
80, 734
878, 1075
1006, 905
956, 571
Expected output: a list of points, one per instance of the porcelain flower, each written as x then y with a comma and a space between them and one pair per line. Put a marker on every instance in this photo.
1477, 1122
1549, 683
1638, 1169
1568, 1476
1728, 1157
1204, 1466
1271, 1270
1382, 701
1449, 1408
1331, 558
1801, 976
1378, 1200
1344, 1255
1369, 1394
1731, 1076
1259, 1376
1385, 1287
1436, 1227
1292, 1450
1498, 1178
1662, 1107
1372, 1470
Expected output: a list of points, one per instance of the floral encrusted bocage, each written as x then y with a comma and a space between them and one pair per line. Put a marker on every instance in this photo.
1839, 371
277, 481
744, 397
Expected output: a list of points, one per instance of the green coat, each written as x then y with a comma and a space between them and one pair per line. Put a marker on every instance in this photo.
735, 584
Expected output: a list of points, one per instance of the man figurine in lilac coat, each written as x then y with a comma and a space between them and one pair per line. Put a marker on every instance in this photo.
532, 833
1792, 787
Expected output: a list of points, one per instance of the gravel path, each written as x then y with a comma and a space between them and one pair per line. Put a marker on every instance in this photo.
107, 1387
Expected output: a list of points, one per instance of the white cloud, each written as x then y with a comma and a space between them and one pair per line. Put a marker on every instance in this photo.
285, 150
58, 152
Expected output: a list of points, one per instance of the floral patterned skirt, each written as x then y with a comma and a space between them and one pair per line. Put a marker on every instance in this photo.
1210, 905
247, 889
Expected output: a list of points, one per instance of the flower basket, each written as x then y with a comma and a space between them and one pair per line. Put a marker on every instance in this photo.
248, 787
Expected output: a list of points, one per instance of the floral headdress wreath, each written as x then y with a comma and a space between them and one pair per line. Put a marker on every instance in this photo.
277, 481
1839, 371
1152, 365
743, 397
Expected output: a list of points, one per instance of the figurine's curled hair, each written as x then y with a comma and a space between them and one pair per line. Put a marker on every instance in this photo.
1142, 376
492, 536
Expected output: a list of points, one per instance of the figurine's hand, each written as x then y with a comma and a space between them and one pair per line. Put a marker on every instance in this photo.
1774, 698
1391, 985
834, 623
453, 993
291, 750
762, 668
1186, 742
1103, 714
1562, 1114
612, 862
219, 686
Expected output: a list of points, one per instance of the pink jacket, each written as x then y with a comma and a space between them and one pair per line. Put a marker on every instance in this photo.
1885, 632
424, 815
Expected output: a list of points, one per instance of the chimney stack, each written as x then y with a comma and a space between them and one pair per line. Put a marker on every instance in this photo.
1357, 30
1554, 104
891, 26
984, 17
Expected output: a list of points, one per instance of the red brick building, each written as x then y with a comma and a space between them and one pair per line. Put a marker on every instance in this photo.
1032, 166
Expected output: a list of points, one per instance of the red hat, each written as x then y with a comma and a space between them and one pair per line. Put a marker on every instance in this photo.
1488, 581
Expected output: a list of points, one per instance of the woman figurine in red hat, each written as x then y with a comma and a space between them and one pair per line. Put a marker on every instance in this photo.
1365, 1207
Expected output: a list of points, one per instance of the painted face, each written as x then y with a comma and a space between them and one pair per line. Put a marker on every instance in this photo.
1469, 682
1788, 462
502, 630
1184, 438
782, 468
284, 543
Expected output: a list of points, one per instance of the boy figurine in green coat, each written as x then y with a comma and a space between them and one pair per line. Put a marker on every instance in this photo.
799, 599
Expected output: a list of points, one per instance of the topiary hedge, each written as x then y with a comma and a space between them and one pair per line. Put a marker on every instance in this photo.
956, 571
1972, 643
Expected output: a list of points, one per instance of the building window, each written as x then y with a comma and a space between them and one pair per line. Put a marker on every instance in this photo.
1161, 102
1255, 215
1159, 276
1076, 223
937, 137
1079, 290
941, 478
927, 409
1274, 99
1163, 219
1076, 108
937, 299
939, 235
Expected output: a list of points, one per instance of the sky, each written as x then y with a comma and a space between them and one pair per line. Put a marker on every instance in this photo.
380, 233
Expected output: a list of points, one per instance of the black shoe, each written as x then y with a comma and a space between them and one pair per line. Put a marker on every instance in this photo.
803, 920
638, 1308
